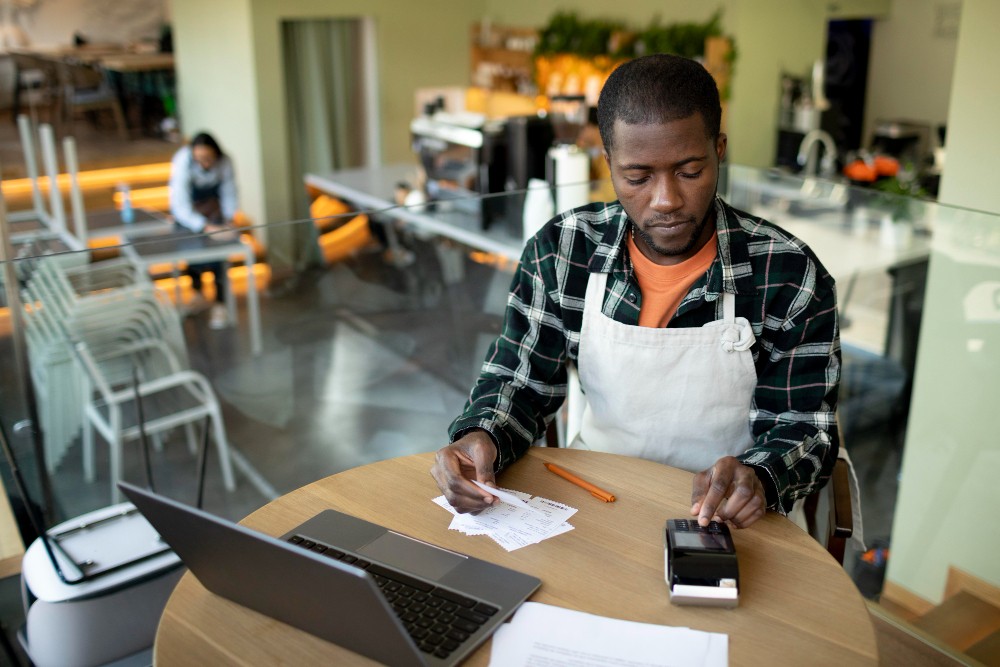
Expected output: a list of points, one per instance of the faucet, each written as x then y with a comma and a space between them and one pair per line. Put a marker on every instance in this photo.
808, 155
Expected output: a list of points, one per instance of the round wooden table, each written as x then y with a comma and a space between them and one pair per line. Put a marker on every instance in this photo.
797, 605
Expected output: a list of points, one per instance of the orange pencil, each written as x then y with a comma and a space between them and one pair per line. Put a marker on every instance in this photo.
598, 493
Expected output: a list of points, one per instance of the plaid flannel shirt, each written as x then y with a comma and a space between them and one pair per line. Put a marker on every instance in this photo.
781, 289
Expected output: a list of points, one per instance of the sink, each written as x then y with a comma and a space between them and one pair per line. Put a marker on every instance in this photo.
786, 194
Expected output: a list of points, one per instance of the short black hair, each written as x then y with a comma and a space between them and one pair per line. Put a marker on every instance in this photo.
206, 139
658, 88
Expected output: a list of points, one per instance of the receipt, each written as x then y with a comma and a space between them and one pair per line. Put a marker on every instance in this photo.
546, 519
513, 525
515, 498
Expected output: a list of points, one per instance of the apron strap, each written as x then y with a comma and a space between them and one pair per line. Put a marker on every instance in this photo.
728, 307
596, 285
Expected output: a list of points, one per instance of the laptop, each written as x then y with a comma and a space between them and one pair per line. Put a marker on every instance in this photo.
359, 585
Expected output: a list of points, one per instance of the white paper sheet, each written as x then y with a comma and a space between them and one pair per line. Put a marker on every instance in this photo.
510, 497
512, 526
541, 635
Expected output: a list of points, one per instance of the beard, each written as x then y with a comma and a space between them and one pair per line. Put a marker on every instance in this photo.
687, 246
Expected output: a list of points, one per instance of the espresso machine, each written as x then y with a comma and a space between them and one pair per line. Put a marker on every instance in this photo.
464, 158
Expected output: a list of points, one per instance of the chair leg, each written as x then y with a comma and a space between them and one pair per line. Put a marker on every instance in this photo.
116, 111
115, 454
191, 438
50, 455
88, 452
62, 114
175, 273
222, 446
16, 104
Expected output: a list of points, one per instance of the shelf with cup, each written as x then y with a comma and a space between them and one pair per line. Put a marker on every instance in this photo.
502, 57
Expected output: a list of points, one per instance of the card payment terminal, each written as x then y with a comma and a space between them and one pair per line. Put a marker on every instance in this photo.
700, 563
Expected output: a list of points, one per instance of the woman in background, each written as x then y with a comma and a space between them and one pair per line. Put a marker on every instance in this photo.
203, 200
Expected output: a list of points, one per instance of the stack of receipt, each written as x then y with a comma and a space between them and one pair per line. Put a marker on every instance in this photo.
515, 522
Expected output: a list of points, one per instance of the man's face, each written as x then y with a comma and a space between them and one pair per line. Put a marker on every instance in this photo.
665, 176
204, 156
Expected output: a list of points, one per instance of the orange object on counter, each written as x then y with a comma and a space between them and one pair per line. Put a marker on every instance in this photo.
886, 166
595, 491
859, 170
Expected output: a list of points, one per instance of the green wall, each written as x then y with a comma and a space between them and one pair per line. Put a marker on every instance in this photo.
772, 37
418, 44
973, 143
217, 89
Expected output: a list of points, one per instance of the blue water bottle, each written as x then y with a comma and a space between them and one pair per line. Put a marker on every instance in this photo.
128, 214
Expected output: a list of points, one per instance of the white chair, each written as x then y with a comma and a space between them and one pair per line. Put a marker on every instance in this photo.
57, 380
140, 315
91, 333
179, 398
114, 298
57, 383
38, 212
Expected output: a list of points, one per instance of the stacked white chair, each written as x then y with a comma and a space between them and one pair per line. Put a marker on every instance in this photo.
91, 330
57, 380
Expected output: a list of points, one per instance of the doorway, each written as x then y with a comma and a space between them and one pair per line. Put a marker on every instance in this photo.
848, 47
332, 92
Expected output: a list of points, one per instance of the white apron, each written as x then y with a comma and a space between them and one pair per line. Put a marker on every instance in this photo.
678, 396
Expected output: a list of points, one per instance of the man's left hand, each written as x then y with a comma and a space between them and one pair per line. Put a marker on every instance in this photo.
728, 491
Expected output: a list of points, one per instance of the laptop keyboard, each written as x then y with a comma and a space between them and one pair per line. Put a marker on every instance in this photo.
438, 620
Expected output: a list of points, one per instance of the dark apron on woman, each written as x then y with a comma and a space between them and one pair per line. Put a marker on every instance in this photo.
206, 201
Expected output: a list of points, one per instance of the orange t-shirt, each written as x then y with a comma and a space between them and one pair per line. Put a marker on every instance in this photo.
664, 287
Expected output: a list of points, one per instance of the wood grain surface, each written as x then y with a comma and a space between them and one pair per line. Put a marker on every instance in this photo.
797, 605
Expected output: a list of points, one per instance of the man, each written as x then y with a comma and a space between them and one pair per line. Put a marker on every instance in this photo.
203, 200
705, 338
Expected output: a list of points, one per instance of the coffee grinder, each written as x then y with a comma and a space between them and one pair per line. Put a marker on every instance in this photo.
567, 167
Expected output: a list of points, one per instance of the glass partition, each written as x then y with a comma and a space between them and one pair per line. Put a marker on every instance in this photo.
941, 545
367, 354
918, 286
368, 344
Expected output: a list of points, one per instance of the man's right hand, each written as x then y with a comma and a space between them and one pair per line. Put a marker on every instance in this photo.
470, 457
